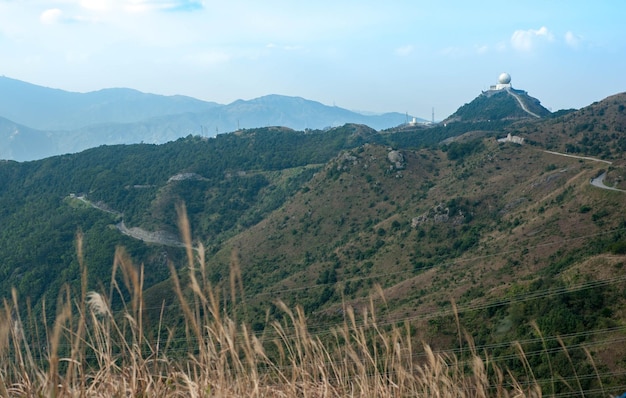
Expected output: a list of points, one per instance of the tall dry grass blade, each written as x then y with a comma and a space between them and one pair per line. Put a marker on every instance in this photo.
535, 326
5, 334
159, 328
381, 293
35, 349
19, 337
140, 312
236, 281
455, 311
527, 368
185, 231
595, 369
53, 374
131, 277
571, 363
187, 312
78, 349
202, 263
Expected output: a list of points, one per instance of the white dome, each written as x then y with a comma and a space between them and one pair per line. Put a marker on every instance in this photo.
504, 78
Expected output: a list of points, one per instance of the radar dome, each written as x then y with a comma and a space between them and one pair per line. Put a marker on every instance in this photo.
504, 78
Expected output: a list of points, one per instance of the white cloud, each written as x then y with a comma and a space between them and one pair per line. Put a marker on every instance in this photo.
51, 16
138, 6
97, 5
572, 40
404, 50
527, 40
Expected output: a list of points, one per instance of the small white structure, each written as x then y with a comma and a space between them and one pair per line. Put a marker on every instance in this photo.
504, 81
512, 138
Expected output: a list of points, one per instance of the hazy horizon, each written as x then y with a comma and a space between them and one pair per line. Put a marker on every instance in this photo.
388, 57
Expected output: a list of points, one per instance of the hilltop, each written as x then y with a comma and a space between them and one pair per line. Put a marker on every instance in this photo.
503, 104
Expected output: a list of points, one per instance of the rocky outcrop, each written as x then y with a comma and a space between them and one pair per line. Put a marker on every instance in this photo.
397, 159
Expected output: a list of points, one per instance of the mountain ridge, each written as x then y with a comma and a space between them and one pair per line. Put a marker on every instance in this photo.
476, 235
503, 104
69, 122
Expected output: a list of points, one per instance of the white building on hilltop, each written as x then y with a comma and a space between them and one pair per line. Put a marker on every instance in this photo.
504, 81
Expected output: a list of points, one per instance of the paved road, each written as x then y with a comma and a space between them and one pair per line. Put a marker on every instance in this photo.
579, 157
599, 182
521, 103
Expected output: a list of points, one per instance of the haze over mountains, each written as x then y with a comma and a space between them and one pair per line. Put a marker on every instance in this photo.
37, 122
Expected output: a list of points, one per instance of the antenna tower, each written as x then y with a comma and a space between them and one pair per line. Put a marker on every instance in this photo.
433, 119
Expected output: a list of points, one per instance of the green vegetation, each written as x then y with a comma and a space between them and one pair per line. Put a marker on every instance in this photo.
499, 106
89, 349
506, 244
240, 179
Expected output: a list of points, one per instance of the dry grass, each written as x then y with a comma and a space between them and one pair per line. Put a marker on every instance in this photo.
92, 352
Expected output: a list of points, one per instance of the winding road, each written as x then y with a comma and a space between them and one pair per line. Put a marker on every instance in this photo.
599, 180
521, 103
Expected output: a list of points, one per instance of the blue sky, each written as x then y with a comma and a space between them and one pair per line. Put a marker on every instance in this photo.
380, 56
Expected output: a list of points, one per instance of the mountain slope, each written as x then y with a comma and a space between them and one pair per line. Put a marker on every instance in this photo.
228, 183
71, 122
505, 104
476, 236
21, 142
53, 109
299, 114
596, 130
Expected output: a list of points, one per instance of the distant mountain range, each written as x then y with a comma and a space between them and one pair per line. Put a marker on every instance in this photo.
37, 122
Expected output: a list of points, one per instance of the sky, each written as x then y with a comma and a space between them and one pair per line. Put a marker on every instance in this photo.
376, 56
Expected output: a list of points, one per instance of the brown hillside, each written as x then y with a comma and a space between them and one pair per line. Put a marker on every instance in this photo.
475, 230
596, 130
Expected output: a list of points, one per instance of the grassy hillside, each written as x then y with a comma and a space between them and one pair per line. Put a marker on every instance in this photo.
475, 243
228, 183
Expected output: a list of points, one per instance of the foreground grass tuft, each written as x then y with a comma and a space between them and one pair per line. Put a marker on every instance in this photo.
91, 350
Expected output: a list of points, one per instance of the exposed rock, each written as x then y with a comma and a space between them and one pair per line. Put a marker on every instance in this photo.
345, 159
439, 214
158, 237
397, 158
